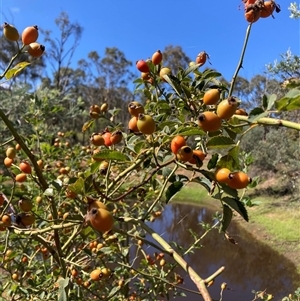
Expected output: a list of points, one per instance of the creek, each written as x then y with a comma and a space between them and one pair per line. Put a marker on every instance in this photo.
249, 265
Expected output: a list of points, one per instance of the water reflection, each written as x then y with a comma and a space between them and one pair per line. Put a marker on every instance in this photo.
250, 264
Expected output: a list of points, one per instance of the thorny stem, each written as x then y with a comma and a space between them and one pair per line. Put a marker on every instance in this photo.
42, 181
148, 242
139, 161
161, 279
160, 193
30, 232
240, 64
199, 282
12, 61
199, 239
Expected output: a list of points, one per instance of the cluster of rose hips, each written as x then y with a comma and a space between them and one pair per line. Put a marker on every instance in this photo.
211, 121
24, 166
26, 217
140, 122
106, 137
235, 180
255, 9
185, 153
29, 37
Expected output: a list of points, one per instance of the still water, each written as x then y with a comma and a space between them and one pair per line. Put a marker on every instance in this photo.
249, 265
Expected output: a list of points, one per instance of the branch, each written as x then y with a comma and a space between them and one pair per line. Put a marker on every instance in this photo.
199, 282
240, 64
270, 121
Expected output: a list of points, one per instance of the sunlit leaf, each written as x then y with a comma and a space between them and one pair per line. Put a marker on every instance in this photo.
176, 87
219, 142
231, 159
190, 70
210, 74
139, 146
190, 132
108, 154
87, 125
16, 69
291, 101
226, 161
62, 284
94, 166
113, 291
78, 186
49, 191
271, 100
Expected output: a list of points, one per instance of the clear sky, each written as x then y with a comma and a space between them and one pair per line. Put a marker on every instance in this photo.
138, 28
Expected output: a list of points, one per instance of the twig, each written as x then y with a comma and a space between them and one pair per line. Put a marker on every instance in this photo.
270, 121
240, 64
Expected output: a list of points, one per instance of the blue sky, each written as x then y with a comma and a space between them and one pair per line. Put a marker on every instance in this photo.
138, 28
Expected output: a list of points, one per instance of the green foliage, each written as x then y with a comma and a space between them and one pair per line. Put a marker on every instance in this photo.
78, 188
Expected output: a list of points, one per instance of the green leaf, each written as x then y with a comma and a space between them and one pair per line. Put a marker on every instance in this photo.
229, 191
238, 206
176, 87
209, 73
115, 289
108, 154
231, 133
213, 161
94, 167
219, 142
189, 70
256, 111
166, 171
139, 146
190, 132
227, 217
271, 100
181, 178
147, 93
265, 101
257, 115
87, 124
291, 101
208, 174
168, 123
78, 186
172, 190
16, 69
231, 160
203, 182
186, 91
